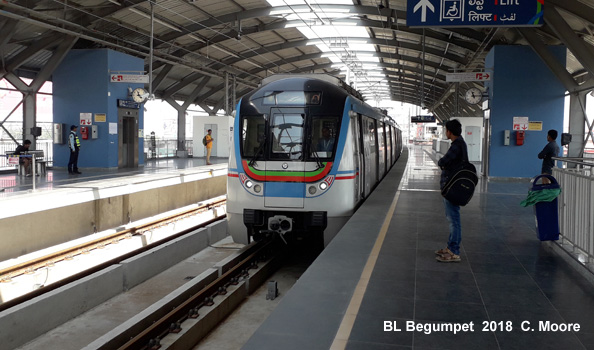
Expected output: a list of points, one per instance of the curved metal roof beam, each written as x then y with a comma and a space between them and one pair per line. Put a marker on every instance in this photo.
300, 43
275, 11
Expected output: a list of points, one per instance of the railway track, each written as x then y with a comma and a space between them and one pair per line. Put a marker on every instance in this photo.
183, 320
28, 267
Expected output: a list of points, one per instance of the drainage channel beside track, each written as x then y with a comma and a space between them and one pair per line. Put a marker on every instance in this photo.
184, 317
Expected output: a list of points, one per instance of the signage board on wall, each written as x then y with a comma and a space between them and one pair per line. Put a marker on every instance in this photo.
128, 104
100, 118
129, 78
520, 123
536, 126
86, 119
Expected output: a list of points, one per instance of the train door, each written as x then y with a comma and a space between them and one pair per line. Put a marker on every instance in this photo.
357, 159
362, 159
373, 125
381, 146
390, 139
285, 169
369, 147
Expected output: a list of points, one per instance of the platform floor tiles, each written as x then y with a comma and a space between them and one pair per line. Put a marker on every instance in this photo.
12, 183
506, 274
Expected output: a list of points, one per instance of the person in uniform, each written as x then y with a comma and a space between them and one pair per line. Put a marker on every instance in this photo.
74, 145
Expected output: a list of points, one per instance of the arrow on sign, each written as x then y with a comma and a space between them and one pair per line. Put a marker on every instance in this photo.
424, 4
482, 76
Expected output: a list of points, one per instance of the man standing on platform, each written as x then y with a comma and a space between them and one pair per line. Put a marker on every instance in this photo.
209, 141
74, 145
451, 161
549, 151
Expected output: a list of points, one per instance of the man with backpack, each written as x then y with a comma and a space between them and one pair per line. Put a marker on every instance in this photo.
449, 163
207, 142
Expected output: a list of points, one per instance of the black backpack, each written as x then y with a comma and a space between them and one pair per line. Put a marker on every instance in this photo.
460, 185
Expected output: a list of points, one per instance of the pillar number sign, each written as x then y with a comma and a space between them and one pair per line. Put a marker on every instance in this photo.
86, 119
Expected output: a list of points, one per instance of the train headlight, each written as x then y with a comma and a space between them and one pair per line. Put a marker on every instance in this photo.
257, 188
249, 184
312, 190
323, 186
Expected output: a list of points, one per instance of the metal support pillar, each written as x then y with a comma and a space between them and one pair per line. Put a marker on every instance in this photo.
226, 93
577, 126
181, 133
234, 101
29, 118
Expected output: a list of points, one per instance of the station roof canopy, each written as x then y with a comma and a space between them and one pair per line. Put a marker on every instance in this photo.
197, 43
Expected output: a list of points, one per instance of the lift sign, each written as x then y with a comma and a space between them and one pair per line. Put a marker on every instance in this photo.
474, 13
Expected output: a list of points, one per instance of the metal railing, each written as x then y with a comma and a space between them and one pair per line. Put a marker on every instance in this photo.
576, 208
162, 148
41, 145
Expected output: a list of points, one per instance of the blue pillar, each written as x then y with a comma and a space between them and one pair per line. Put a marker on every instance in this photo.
81, 84
522, 86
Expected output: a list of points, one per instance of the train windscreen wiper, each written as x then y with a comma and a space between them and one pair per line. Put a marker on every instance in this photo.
319, 163
260, 149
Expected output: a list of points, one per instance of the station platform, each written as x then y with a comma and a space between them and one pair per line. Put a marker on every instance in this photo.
380, 272
12, 183
66, 207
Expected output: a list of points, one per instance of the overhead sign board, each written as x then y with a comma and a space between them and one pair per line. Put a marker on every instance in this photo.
468, 76
474, 13
128, 104
422, 119
129, 78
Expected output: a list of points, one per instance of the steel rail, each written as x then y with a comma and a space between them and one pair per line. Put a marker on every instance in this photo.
35, 293
66, 254
171, 322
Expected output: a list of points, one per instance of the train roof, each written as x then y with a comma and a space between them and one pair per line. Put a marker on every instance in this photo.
325, 77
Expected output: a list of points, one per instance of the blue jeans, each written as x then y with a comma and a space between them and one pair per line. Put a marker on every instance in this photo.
453, 215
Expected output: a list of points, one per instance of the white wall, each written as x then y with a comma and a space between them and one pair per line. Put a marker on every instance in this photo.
221, 141
469, 122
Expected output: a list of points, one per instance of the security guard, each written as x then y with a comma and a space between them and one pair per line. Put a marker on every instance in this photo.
74, 145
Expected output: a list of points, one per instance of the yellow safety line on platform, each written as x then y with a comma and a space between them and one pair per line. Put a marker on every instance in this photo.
346, 326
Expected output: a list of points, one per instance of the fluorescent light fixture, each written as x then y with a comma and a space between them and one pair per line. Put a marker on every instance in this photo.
224, 50
145, 15
196, 38
253, 63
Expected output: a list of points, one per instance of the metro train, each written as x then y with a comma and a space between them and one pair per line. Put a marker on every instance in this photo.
305, 153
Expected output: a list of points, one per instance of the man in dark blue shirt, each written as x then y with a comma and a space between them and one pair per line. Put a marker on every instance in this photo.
549, 151
452, 160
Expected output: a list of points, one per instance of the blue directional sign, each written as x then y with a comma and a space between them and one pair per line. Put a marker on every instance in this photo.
474, 13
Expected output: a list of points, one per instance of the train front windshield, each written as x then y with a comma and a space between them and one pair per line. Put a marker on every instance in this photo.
289, 136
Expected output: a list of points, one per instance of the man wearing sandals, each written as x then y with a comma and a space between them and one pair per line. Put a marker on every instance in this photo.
451, 161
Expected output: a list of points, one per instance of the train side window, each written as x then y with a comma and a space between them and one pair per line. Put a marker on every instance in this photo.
252, 135
324, 133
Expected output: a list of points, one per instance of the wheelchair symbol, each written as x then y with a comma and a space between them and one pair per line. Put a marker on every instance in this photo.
452, 9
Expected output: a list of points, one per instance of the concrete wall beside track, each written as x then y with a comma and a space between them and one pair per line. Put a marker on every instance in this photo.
34, 221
